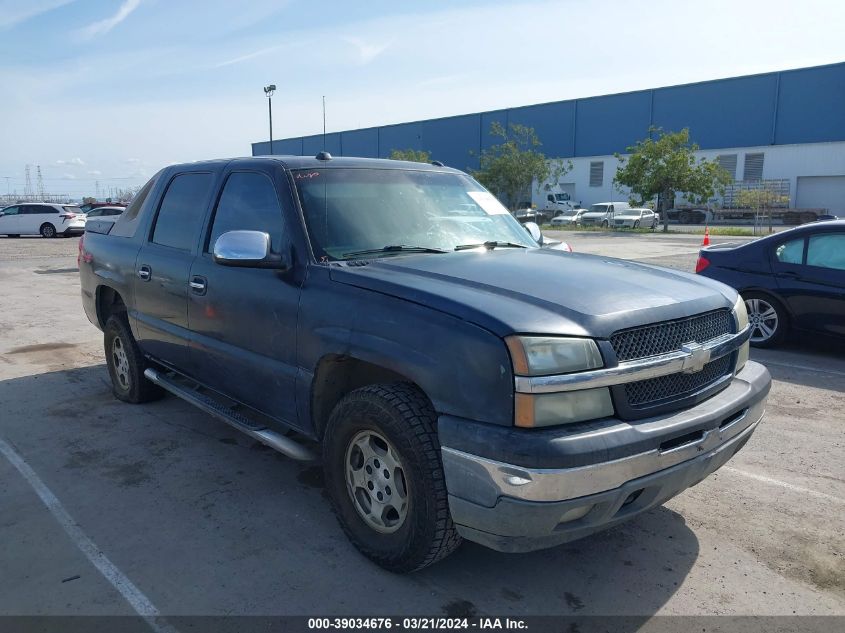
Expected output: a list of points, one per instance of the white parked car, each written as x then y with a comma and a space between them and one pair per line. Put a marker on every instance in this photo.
635, 219
48, 220
601, 213
571, 217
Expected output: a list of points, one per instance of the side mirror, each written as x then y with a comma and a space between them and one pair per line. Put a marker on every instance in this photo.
248, 249
534, 231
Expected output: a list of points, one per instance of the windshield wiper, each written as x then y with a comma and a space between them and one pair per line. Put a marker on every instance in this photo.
396, 248
490, 245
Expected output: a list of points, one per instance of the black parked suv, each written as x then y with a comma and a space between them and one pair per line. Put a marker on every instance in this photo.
459, 380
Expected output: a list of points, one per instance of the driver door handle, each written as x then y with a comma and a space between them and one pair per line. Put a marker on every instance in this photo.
198, 284
144, 272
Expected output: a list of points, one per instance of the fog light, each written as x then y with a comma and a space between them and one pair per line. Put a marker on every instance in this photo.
573, 514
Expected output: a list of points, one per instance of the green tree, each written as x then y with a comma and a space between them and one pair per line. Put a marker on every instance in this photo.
666, 165
413, 155
509, 168
760, 199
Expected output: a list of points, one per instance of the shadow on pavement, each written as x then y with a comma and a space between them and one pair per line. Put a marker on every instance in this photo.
208, 522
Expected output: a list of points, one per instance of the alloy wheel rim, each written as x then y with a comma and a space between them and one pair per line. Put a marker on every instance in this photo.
121, 363
763, 319
375, 479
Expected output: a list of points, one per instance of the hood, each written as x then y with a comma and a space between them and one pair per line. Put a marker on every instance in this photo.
540, 291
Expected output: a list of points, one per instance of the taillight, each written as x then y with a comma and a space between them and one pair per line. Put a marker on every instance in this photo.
69, 216
702, 263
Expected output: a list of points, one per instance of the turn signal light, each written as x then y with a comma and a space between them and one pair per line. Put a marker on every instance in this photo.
701, 264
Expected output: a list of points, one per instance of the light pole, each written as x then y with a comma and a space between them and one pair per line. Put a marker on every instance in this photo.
269, 90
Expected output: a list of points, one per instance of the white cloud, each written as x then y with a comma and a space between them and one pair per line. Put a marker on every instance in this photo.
95, 172
132, 161
367, 51
14, 12
243, 58
104, 26
78, 162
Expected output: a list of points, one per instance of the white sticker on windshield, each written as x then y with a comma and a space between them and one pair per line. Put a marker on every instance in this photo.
488, 202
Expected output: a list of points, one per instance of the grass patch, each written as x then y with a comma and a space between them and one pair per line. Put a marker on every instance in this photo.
598, 229
730, 230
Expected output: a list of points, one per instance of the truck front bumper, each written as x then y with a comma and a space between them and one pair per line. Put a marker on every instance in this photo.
509, 494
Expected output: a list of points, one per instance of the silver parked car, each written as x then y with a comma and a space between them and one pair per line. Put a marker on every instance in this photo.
635, 219
570, 217
105, 212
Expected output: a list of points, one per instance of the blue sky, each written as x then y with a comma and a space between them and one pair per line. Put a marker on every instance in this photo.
112, 90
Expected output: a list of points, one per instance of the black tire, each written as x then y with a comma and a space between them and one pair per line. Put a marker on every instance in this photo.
759, 305
47, 230
636, 224
128, 381
604, 224
403, 415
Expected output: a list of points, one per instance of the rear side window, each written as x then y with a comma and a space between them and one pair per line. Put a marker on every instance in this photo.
791, 252
827, 251
39, 210
181, 212
249, 203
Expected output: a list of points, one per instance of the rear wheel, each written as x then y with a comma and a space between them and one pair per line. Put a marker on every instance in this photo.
767, 318
126, 363
383, 471
48, 230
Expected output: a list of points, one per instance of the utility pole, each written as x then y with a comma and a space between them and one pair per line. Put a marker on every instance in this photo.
40, 183
269, 90
27, 188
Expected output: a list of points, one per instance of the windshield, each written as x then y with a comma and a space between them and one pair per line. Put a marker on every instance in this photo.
569, 212
598, 208
352, 210
561, 197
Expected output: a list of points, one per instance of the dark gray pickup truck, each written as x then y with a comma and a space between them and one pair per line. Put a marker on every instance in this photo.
460, 380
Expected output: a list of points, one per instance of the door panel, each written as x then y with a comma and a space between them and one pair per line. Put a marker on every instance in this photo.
163, 266
243, 320
811, 277
10, 222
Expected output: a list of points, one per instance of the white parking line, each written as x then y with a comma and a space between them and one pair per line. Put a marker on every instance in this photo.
139, 602
804, 367
783, 484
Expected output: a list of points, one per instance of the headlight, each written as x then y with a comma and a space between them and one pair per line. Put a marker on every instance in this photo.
566, 407
543, 355
741, 316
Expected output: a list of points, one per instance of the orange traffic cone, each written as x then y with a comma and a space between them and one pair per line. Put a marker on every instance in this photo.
706, 241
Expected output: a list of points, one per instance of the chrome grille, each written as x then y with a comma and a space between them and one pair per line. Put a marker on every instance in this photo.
676, 386
669, 336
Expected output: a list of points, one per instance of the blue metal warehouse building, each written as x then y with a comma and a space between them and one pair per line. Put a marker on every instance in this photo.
787, 125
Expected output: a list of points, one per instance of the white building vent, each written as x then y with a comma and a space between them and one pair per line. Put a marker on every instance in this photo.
728, 163
753, 169
596, 173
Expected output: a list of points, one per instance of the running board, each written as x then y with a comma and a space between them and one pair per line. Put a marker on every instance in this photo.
260, 432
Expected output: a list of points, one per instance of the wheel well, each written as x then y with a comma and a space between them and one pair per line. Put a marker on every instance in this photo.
336, 376
109, 302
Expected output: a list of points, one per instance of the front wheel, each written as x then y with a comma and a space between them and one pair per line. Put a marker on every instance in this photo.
604, 224
381, 459
767, 318
636, 224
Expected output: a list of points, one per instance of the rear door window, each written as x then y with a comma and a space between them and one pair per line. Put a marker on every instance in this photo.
791, 252
182, 210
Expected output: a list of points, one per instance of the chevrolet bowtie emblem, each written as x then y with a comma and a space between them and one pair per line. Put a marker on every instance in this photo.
697, 359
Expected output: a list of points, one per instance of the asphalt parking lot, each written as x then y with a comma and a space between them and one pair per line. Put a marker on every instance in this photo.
204, 521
